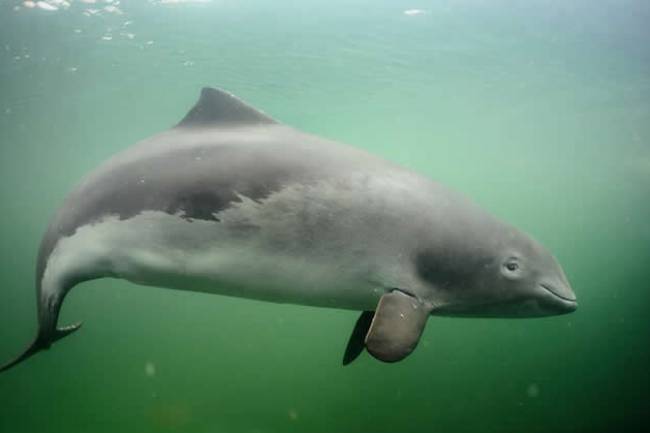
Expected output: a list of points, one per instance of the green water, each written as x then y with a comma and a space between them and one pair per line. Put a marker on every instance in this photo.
539, 110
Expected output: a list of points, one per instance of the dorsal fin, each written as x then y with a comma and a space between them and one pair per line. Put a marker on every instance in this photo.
216, 107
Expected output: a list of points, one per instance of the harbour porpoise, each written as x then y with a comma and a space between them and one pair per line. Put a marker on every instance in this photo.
232, 202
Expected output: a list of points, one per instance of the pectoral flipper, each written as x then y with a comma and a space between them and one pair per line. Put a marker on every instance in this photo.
394, 331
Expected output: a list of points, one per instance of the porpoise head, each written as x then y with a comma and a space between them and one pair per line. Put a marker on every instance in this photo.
482, 267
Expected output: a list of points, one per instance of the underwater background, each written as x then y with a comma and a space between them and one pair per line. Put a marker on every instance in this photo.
538, 110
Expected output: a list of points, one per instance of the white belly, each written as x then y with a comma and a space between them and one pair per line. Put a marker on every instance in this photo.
155, 248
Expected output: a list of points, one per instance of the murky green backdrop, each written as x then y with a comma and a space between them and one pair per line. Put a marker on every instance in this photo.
539, 110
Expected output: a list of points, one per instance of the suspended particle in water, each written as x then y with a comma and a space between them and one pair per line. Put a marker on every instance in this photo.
533, 390
412, 12
150, 369
113, 9
293, 414
59, 3
46, 6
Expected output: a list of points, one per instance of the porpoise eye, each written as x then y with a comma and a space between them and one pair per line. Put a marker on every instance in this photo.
511, 268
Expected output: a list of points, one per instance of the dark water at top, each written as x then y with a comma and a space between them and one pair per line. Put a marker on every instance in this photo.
538, 110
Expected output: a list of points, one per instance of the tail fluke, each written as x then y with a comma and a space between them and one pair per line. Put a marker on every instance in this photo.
66, 330
41, 342
33, 348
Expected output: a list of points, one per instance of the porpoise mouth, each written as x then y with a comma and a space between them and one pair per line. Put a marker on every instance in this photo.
553, 292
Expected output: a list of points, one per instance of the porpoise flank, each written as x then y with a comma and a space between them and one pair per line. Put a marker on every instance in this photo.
231, 202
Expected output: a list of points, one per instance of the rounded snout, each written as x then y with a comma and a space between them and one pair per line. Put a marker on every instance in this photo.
558, 298
557, 295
